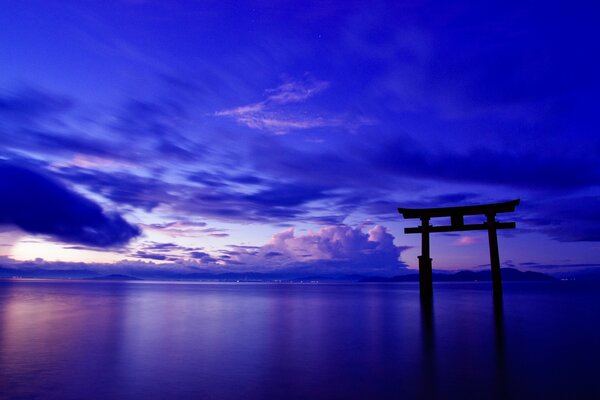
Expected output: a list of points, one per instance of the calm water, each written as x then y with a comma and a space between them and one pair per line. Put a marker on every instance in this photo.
142, 340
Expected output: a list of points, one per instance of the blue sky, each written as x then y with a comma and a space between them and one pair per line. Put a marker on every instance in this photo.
253, 136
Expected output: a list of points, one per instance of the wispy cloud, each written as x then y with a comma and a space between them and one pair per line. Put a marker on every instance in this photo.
280, 123
296, 91
467, 240
271, 114
181, 229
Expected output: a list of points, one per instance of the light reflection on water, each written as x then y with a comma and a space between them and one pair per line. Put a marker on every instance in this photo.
73, 340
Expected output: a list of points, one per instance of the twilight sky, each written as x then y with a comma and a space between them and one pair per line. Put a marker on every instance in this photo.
216, 136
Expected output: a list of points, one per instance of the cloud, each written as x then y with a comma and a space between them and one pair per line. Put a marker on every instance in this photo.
40, 122
204, 194
161, 247
272, 114
273, 179
286, 93
286, 194
46, 124
332, 249
40, 205
467, 240
185, 229
202, 257
526, 168
150, 256
28, 104
179, 229
163, 251
569, 219
218, 235
387, 157
296, 91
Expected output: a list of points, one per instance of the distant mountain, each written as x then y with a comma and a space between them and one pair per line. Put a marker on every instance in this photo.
115, 277
329, 278
32, 271
508, 274
46, 273
166, 275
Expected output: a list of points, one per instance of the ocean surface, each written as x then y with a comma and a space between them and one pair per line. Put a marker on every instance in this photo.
150, 340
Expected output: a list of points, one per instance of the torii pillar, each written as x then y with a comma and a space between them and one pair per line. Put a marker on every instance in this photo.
425, 260
494, 253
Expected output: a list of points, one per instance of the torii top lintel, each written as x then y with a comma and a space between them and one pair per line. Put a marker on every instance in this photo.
457, 214
494, 208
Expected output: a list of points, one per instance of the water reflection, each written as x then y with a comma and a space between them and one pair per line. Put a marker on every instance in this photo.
433, 379
501, 370
70, 340
47, 334
428, 337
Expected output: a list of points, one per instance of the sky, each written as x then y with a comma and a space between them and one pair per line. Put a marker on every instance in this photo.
282, 136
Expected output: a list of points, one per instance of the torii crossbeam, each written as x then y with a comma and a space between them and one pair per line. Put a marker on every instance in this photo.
457, 223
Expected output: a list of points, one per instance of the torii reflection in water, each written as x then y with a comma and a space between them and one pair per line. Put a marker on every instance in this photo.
431, 387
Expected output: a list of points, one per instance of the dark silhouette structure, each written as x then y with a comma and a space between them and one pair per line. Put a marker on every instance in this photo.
457, 223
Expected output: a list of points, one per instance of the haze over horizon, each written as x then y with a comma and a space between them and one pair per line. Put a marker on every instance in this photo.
194, 136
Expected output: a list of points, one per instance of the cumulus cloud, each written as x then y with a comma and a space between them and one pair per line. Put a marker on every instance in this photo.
39, 205
332, 249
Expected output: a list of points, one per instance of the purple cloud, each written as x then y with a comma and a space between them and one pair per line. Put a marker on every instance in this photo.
568, 219
271, 114
332, 249
150, 256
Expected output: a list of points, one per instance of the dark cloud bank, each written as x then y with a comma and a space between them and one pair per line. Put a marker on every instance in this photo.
40, 205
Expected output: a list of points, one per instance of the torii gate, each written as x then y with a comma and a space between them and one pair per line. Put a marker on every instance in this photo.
457, 223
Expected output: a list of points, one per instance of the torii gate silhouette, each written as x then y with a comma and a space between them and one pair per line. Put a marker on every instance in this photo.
457, 223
